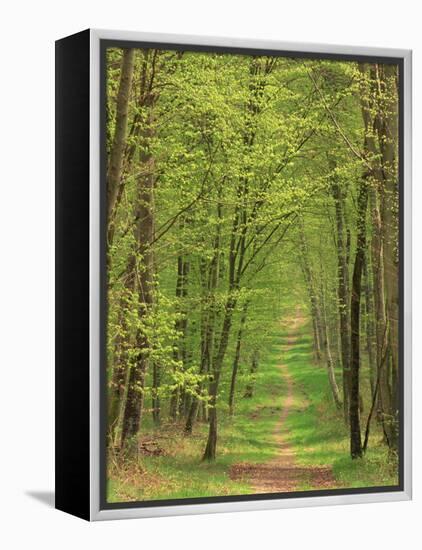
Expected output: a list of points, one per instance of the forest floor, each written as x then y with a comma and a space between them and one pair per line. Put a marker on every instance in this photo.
282, 473
288, 437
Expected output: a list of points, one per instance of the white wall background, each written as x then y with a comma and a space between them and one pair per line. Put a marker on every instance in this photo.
29, 29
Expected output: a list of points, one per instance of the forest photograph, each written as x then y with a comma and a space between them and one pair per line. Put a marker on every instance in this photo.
252, 274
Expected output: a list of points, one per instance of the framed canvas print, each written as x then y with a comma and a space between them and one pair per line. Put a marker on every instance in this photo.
233, 274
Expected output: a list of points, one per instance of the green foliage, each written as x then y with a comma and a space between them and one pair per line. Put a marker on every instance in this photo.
319, 436
227, 179
179, 473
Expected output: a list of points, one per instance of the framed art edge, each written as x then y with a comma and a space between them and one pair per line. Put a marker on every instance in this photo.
94, 273
96, 513
407, 273
72, 329
247, 43
248, 506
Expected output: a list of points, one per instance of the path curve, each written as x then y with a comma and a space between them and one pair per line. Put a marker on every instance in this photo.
282, 474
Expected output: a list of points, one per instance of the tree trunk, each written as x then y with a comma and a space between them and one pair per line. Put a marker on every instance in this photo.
387, 128
237, 358
253, 370
210, 450
355, 431
114, 172
327, 348
181, 325
370, 329
211, 447
377, 256
121, 368
118, 376
316, 340
143, 278
381, 121
118, 432
155, 399
206, 350
313, 298
343, 292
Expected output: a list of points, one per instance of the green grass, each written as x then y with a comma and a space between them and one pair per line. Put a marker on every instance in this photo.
316, 431
180, 473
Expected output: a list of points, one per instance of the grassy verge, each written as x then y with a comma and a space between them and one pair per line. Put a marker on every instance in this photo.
317, 431
179, 472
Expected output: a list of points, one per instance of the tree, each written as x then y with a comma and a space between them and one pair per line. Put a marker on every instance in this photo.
236, 184
115, 165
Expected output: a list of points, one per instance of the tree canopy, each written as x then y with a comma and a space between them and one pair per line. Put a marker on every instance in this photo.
238, 187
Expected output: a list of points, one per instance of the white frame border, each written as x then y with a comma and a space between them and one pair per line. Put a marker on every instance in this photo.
123, 513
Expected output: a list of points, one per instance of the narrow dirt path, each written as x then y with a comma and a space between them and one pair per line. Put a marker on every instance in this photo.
282, 474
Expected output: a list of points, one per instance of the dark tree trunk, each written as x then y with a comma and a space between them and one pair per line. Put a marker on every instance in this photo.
354, 409
143, 275
316, 337
155, 399
387, 129
119, 369
114, 172
343, 292
211, 447
236, 359
181, 325
121, 372
119, 139
253, 370
370, 329
377, 256
381, 122
206, 346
